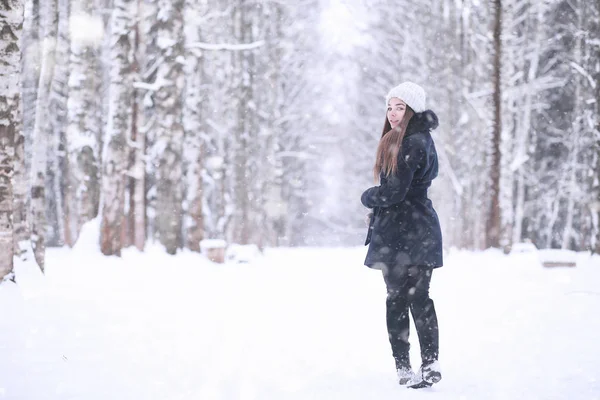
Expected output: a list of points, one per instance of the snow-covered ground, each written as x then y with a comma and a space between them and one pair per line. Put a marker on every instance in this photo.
297, 324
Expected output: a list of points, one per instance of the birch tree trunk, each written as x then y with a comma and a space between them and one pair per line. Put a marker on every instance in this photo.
105, 12
257, 151
48, 18
273, 207
217, 124
20, 186
30, 75
30, 46
83, 130
493, 224
513, 64
147, 119
250, 147
193, 149
137, 168
169, 128
477, 120
595, 51
240, 227
118, 131
11, 25
57, 107
30, 69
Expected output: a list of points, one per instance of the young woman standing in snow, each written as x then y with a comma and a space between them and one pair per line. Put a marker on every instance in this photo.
404, 237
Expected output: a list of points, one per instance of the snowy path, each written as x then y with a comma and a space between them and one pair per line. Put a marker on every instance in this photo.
300, 324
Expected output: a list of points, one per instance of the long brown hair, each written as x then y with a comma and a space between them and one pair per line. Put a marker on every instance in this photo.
386, 159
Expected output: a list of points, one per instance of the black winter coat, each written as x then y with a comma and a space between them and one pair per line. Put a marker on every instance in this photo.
404, 228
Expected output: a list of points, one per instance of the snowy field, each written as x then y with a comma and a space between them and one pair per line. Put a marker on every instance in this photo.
296, 324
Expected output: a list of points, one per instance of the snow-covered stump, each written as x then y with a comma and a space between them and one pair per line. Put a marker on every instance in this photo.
243, 253
557, 258
523, 248
213, 249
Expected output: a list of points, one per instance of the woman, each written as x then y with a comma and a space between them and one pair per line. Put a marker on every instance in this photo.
404, 237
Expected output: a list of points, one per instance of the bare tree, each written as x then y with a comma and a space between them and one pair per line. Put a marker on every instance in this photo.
137, 210
193, 148
217, 123
83, 129
118, 131
57, 122
30, 76
169, 128
493, 224
242, 144
11, 25
48, 22
594, 30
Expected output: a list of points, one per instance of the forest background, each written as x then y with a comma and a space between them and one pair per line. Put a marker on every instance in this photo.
256, 122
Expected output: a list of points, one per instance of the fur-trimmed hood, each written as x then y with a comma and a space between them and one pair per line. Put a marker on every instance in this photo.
423, 121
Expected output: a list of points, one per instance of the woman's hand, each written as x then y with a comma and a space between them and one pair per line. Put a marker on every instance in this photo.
368, 218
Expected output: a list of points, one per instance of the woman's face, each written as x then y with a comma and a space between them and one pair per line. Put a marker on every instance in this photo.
395, 111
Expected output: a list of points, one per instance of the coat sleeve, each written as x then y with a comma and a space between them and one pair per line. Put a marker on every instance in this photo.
394, 190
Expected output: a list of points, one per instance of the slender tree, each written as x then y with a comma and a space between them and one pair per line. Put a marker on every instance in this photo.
57, 108
217, 124
48, 22
83, 129
594, 39
194, 137
493, 224
136, 213
30, 78
11, 26
242, 144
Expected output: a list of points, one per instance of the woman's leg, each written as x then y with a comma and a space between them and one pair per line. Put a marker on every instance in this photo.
396, 281
423, 312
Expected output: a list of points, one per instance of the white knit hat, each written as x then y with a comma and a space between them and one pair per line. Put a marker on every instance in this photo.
411, 93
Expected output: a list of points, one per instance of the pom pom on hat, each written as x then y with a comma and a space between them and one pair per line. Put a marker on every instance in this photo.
411, 93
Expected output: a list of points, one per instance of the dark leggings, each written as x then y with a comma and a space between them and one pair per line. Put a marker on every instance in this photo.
408, 287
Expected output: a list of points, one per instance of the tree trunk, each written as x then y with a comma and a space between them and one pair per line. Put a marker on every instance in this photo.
48, 18
169, 129
143, 189
83, 121
137, 168
137, 206
30, 75
11, 24
30, 56
219, 79
118, 130
242, 143
193, 158
20, 186
57, 107
595, 31
493, 224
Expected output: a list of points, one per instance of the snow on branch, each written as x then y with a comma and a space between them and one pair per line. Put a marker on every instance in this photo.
583, 72
226, 46
152, 87
294, 154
